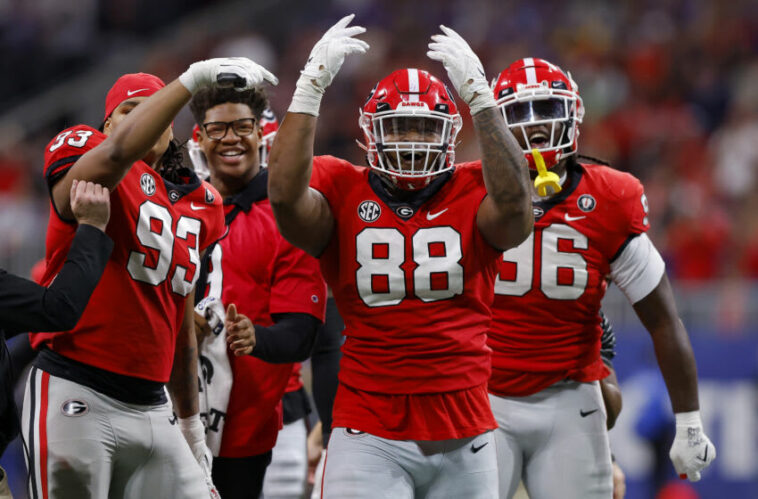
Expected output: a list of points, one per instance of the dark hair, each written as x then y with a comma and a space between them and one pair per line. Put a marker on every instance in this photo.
255, 99
172, 163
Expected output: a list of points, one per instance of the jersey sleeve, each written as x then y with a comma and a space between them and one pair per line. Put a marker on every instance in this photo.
326, 179
67, 147
633, 205
297, 285
631, 211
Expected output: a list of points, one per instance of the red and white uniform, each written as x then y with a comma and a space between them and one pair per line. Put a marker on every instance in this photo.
263, 275
548, 291
413, 285
102, 381
159, 229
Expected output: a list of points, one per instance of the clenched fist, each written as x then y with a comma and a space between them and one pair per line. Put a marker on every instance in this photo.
90, 203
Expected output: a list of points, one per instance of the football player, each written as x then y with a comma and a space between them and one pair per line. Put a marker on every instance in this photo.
591, 223
277, 287
409, 247
95, 412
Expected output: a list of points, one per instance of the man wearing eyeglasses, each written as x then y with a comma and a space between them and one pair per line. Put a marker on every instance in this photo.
277, 286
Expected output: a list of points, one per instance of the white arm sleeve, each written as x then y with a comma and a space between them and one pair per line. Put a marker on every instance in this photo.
638, 269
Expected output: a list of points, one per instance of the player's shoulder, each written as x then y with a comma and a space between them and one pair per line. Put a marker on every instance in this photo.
469, 172
80, 127
209, 194
469, 167
74, 140
610, 183
332, 164
67, 146
333, 176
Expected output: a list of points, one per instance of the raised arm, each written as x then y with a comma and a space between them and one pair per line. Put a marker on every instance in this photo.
505, 216
136, 135
303, 214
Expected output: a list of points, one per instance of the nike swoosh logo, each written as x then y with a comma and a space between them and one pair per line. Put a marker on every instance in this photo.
705, 455
585, 414
129, 93
196, 208
430, 216
569, 218
475, 449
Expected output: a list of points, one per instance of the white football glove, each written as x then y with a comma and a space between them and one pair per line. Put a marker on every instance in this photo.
463, 68
692, 450
323, 64
213, 310
238, 72
194, 433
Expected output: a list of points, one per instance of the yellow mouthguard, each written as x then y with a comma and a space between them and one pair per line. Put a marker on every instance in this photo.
547, 183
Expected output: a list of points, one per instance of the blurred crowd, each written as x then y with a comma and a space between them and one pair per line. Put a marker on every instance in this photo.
669, 87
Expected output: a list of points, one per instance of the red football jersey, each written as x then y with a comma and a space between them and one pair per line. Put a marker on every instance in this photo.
413, 284
263, 275
159, 229
296, 379
545, 323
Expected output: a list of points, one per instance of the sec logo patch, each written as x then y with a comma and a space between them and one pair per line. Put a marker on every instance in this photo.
369, 211
147, 183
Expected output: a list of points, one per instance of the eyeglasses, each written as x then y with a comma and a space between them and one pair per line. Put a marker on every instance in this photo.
216, 130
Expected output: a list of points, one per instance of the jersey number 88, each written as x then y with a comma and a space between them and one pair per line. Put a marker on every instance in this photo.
438, 275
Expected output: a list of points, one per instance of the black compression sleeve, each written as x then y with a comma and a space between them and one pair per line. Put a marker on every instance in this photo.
325, 363
290, 339
27, 306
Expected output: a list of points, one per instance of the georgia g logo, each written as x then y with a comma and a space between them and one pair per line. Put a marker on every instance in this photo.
74, 408
369, 211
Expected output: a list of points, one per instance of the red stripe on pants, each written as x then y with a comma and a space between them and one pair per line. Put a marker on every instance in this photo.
45, 382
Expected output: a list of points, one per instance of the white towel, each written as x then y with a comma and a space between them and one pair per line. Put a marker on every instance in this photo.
215, 373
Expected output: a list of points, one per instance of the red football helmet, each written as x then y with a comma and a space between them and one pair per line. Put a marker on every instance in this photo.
537, 95
410, 122
269, 126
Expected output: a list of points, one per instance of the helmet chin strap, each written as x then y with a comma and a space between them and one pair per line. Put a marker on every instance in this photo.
547, 183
